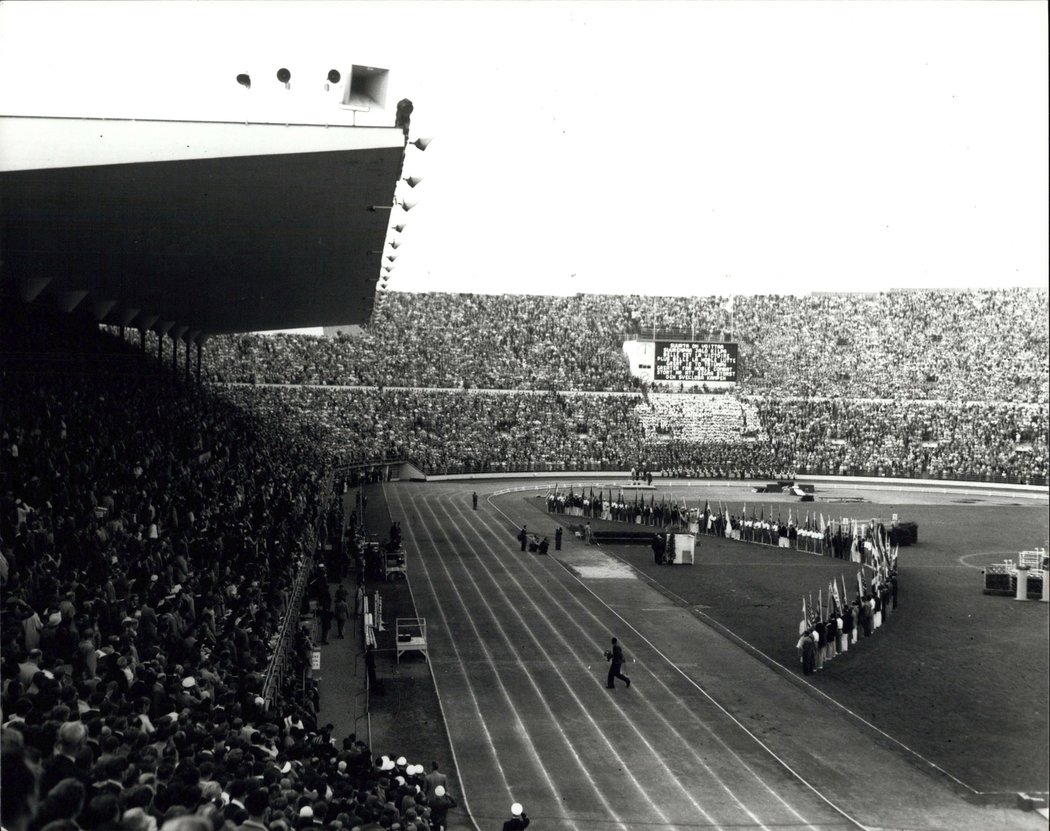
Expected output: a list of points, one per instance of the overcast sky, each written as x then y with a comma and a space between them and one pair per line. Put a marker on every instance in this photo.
667, 148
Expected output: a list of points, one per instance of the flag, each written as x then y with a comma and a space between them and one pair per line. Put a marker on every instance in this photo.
860, 584
707, 508
823, 527
845, 594
820, 602
805, 620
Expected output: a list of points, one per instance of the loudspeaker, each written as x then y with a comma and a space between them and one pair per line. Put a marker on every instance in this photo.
366, 89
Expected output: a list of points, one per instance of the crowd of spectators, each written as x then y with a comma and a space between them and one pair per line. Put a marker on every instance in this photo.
455, 431
151, 534
920, 439
949, 384
697, 418
490, 432
987, 345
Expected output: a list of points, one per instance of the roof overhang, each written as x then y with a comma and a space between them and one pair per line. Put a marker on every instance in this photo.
217, 227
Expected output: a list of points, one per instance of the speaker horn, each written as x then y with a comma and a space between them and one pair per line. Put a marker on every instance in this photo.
367, 88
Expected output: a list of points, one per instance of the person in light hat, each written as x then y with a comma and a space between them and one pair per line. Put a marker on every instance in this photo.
306, 818
440, 803
518, 818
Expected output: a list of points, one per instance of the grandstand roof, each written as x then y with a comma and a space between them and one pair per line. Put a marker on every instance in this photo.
197, 227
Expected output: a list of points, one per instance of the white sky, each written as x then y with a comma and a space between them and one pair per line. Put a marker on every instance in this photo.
622, 147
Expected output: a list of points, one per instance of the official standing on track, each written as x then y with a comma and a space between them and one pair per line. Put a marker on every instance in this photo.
474, 499
615, 658
518, 821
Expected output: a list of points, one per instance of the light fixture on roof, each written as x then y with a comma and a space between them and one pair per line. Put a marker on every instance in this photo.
399, 228
394, 244
421, 143
405, 204
412, 180
334, 77
285, 77
391, 257
245, 80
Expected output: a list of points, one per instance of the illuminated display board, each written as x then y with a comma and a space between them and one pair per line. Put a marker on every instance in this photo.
695, 361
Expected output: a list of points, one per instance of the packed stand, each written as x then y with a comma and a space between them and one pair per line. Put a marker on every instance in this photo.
914, 439
482, 432
465, 431
981, 345
697, 418
150, 537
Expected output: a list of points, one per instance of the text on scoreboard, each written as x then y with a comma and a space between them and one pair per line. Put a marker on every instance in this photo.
695, 361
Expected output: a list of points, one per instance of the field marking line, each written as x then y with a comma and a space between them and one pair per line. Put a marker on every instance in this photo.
963, 559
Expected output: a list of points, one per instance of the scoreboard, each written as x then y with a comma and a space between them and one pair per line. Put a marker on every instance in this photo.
696, 361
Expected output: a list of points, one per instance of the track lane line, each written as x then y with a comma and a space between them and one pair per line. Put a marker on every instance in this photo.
569, 687
521, 727
852, 820
698, 721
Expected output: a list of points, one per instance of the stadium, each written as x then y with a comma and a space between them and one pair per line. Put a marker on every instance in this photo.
479, 560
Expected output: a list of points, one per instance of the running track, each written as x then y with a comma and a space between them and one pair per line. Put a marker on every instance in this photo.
706, 737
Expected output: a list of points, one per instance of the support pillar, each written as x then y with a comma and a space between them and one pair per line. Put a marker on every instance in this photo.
1022, 583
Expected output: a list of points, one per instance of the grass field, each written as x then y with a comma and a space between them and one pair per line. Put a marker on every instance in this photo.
959, 677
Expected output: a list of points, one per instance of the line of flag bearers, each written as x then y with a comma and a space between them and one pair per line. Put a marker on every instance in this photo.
826, 631
842, 538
